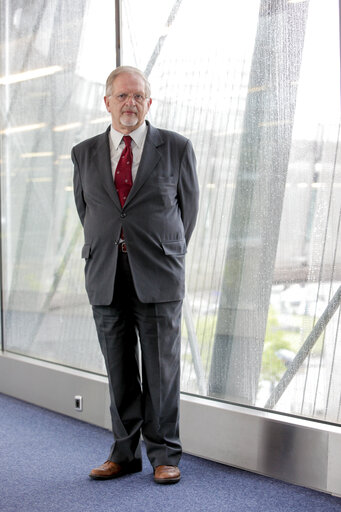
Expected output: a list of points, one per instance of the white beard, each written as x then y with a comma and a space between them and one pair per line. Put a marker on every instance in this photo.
128, 120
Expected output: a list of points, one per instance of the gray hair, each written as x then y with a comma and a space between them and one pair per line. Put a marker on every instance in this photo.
125, 69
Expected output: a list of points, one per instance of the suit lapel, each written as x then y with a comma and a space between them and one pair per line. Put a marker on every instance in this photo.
150, 158
102, 162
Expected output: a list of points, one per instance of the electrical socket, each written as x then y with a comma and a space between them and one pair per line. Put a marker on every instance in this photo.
78, 402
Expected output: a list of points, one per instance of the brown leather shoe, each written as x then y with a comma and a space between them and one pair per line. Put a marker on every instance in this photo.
166, 474
113, 470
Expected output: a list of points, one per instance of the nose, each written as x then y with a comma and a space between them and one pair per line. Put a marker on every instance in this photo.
131, 100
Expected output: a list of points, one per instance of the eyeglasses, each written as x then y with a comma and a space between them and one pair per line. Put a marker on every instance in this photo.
138, 98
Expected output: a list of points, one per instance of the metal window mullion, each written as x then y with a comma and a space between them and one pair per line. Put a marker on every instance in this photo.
118, 30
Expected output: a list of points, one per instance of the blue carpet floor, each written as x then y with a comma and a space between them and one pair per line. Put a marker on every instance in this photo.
45, 459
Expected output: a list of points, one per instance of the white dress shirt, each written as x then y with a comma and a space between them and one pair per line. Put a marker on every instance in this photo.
117, 145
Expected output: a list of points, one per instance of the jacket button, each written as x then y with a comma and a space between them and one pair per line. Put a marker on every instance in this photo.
123, 215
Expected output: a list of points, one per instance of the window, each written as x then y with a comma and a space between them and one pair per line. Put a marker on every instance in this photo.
255, 86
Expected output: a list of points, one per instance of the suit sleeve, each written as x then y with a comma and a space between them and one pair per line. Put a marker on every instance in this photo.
188, 190
78, 189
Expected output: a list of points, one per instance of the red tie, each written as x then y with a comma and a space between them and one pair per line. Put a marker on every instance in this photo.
123, 177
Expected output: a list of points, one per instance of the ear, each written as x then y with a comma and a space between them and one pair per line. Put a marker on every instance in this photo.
149, 103
107, 102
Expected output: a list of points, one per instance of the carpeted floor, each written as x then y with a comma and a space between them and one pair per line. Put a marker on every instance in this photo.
45, 459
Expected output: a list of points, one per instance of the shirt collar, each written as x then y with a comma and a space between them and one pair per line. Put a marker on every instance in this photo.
137, 135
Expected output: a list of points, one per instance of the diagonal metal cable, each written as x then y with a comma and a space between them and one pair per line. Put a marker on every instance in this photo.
162, 38
310, 341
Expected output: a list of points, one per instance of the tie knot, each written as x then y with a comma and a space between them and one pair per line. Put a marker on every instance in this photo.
127, 140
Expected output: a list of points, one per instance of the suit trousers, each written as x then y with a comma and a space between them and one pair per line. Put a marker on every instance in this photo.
144, 401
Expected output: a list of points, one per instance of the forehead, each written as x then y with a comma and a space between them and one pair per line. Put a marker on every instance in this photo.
128, 82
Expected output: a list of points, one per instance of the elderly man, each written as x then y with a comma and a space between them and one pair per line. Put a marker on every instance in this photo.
136, 194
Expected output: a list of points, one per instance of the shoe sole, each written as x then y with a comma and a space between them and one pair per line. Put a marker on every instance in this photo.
125, 471
167, 481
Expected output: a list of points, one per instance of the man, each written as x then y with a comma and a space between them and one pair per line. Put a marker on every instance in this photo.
136, 193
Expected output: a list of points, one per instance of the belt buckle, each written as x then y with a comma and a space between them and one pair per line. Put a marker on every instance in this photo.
123, 247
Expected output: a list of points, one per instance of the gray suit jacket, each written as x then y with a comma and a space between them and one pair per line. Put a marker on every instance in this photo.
157, 219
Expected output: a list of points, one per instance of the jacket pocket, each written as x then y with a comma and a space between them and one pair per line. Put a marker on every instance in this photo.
86, 251
174, 248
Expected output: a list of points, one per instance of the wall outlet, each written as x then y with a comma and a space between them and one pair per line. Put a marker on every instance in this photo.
78, 403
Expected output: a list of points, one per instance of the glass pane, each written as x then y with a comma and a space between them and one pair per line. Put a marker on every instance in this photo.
258, 95
255, 86
52, 90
